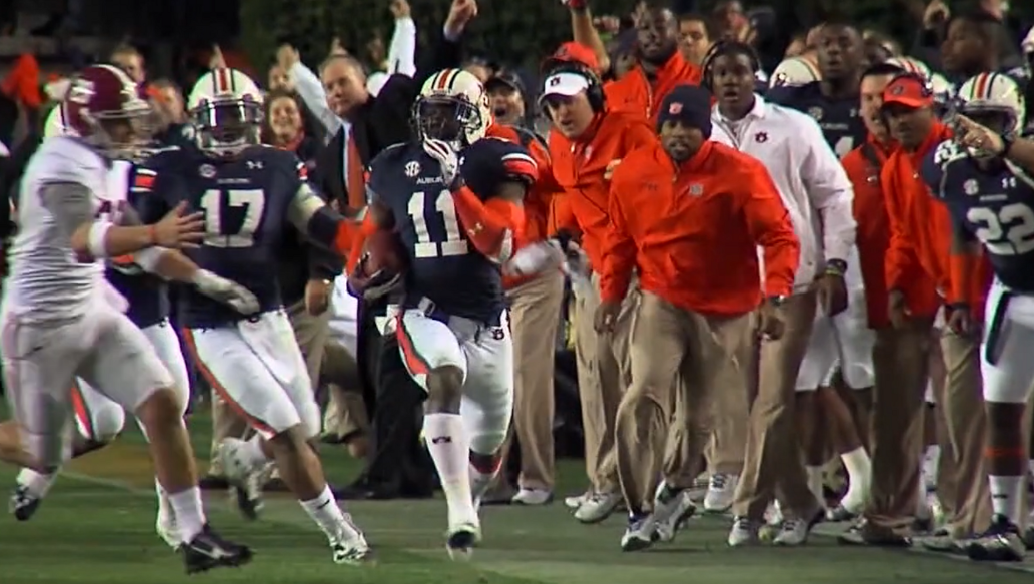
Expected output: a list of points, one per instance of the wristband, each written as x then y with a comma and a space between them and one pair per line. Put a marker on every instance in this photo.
152, 234
96, 241
148, 258
836, 267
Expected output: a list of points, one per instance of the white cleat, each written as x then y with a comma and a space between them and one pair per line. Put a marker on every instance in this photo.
671, 511
461, 540
246, 480
576, 501
744, 532
720, 492
350, 547
597, 507
532, 497
640, 533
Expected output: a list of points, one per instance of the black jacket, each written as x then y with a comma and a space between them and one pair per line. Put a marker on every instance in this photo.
383, 120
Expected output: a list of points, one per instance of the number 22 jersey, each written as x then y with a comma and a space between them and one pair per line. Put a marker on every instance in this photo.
245, 200
444, 267
992, 204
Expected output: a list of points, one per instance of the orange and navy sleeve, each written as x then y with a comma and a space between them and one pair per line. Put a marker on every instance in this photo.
619, 248
771, 228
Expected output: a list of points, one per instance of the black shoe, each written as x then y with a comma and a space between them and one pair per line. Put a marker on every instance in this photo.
366, 492
208, 550
213, 483
23, 504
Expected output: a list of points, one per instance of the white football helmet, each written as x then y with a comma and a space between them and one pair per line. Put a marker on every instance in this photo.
452, 106
225, 107
793, 72
943, 90
993, 94
910, 65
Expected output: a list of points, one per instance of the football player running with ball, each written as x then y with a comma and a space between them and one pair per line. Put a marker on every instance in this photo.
454, 198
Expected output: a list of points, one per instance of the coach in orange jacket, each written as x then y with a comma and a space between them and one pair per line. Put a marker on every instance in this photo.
693, 234
535, 303
660, 66
920, 241
587, 142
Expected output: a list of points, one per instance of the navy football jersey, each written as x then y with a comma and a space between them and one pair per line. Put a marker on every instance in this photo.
840, 120
993, 205
147, 294
245, 200
443, 266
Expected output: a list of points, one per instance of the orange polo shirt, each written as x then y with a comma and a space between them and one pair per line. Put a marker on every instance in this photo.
579, 167
693, 230
635, 92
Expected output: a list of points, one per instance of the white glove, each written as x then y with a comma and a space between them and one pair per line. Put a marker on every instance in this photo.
226, 291
448, 160
535, 258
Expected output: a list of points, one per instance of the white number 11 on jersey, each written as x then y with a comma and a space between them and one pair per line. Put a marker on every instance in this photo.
425, 247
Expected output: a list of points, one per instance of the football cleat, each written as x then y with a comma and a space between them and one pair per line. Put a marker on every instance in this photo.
23, 503
208, 550
354, 551
1000, 543
461, 541
245, 480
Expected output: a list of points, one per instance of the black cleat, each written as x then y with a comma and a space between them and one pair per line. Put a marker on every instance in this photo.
23, 504
208, 550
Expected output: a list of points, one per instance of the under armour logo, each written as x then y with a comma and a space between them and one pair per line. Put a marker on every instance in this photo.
254, 164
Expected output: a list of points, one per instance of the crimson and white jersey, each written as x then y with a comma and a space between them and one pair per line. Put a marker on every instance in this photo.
47, 281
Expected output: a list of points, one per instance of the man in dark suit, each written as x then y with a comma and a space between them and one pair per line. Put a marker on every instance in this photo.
397, 465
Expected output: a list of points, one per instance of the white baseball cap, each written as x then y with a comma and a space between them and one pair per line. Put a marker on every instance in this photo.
565, 83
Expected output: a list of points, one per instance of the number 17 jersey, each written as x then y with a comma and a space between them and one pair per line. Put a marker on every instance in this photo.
444, 267
245, 201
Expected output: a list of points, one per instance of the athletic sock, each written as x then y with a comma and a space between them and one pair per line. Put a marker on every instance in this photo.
189, 512
447, 443
166, 514
329, 517
38, 483
1007, 497
859, 471
481, 478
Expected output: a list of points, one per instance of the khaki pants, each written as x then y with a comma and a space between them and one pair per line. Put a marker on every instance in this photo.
534, 318
603, 375
326, 361
966, 429
900, 364
666, 342
773, 462
730, 411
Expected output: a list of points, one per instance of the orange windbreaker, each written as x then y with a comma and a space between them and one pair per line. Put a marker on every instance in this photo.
873, 238
22, 83
921, 228
695, 238
636, 93
579, 166
539, 200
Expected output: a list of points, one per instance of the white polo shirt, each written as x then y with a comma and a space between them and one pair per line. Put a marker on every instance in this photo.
810, 179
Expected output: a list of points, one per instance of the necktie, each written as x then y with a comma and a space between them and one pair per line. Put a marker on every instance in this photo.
355, 183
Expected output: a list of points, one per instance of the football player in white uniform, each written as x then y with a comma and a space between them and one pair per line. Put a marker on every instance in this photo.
60, 319
99, 420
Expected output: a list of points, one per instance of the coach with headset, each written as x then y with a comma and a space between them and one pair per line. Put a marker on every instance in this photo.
586, 143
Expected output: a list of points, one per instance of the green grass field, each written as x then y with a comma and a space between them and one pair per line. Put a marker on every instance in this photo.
96, 527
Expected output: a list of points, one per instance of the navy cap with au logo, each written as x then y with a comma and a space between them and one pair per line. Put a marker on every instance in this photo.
688, 104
